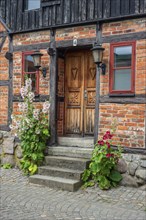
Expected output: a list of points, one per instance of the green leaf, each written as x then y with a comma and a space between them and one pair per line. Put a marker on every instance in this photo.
45, 131
95, 168
33, 168
104, 183
86, 175
115, 176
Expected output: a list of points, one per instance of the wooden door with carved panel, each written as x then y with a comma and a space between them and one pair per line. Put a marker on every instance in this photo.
80, 82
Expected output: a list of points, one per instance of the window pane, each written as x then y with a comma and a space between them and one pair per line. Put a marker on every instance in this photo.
29, 65
32, 4
122, 79
122, 56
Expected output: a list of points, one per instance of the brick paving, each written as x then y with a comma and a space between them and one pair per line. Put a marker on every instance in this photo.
23, 201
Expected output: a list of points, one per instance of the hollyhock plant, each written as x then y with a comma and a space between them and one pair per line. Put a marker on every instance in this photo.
32, 128
102, 169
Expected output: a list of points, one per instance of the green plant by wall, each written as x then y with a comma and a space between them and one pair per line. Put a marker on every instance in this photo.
32, 128
102, 169
7, 166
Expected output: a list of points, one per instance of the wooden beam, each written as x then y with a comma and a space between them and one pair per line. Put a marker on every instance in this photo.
138, 99
97, 100
10, 92
129, 150
124, 37
53, 88
80, 42
4, 128
4, 83
39, 98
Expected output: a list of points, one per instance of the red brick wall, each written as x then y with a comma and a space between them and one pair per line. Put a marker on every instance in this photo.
4, 75
76, 32
3, 105
129, 123
130, 117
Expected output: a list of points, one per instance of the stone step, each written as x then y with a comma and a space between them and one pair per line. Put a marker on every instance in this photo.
79, 152
60, 172
67, 162
87, 142
55, 182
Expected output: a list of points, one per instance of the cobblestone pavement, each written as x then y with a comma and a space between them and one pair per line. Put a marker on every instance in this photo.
23, 201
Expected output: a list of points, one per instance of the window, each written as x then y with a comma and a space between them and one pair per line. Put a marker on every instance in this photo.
122, 68
31, 4
31, 72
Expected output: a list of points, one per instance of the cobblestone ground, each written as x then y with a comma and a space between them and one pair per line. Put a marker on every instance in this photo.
23, 201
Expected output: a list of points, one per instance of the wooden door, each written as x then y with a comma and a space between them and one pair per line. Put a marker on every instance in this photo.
79, 93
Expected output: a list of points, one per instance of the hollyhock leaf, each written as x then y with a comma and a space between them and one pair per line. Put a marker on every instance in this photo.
115, 176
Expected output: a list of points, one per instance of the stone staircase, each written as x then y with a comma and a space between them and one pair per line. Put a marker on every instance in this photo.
64, 166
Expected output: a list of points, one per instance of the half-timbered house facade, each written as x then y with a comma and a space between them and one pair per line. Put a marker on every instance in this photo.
64, 31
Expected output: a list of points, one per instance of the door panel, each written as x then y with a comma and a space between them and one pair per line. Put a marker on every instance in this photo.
89, 101
73, 93
80, 76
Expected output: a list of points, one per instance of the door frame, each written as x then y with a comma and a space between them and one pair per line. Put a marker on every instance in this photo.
61, 48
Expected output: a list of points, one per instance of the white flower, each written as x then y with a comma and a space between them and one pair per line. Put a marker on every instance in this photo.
46, 107
23, 92
36, 114
37, 131
31, 96
28, 84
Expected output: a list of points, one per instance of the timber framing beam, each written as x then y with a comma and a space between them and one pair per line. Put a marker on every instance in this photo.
53, 88
39, 98
138, 99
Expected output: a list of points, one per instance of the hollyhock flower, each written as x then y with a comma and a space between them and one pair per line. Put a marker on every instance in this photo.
101, 142
108, 155
23, 92
107, 135
36, 114
31, 96
108, 144
46, 107
28, 84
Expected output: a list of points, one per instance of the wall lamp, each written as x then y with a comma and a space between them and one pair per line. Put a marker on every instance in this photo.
37, 62
97, 52
51, 51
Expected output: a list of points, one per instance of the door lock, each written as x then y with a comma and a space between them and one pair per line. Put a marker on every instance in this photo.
85, 94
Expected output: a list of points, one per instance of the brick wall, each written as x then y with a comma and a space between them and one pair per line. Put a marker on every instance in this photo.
130, 117
4, 75
3, 105
76, 32
129, 123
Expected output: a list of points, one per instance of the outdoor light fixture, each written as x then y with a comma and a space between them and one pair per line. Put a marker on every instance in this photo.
51, 51
97, 52
37, 62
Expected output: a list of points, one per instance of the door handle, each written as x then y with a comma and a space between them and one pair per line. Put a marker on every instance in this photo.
85, 94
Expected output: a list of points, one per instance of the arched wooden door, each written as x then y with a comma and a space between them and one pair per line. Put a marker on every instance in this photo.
80, 82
